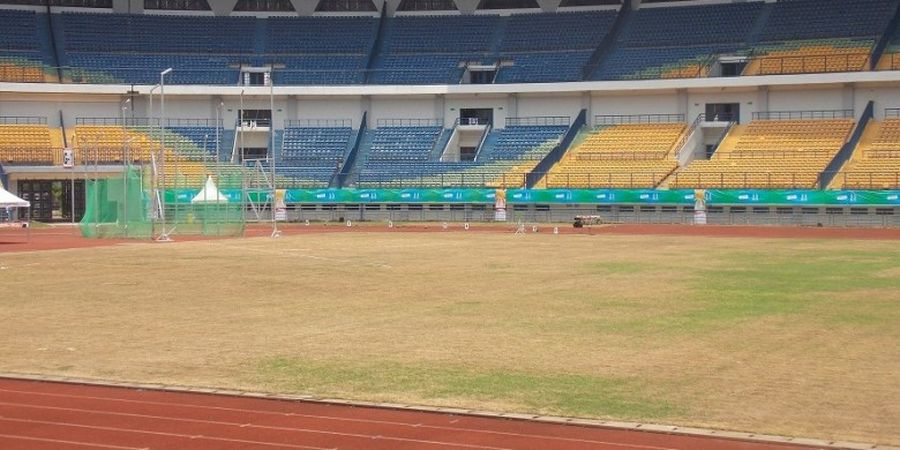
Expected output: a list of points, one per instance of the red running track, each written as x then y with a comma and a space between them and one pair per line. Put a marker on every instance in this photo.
37, 415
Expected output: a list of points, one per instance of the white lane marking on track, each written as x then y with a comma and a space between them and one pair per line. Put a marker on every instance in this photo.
210, 422
345, 419
60, 441
159, 433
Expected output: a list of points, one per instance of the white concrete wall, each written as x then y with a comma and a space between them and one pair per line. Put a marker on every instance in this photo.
663, 103
697, 103
805, 99
49, 107
324, 108
548, 105
402, 108
499, 104
883, 98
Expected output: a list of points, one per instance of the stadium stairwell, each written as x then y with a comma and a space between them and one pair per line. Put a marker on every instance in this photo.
885, 39
350, 164
441, 144
260, 34
846, 152
48, 45
760, 24
608, 42
58, 44
553, 157
377, 46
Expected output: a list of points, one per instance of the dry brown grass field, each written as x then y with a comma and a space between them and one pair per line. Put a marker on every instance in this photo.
794, 337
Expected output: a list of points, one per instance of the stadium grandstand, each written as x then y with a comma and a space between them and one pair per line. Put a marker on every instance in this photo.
662, 96
450, 224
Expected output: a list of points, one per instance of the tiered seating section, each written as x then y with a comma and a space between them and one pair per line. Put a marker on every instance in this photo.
312, 155
430, 49
317, 50
788, 36
551, 47
107, 143
26, 144
636, 155
505, 157
678, 42
21, 56
890, 59
769, 154
806, 36
876, 165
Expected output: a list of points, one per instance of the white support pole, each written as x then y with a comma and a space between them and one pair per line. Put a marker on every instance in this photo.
164, 235
275, 232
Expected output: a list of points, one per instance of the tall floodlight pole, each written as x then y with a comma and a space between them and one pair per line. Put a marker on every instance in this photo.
164, 235
275, 232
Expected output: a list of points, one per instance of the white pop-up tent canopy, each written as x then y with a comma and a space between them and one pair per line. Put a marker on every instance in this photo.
8, 200
10, 221
210, 193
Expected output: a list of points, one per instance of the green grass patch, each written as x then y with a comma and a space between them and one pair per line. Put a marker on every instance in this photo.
559, 393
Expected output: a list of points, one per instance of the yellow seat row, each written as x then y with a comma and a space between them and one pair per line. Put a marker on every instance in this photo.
625, 155
811, 58
770, 154
878, 165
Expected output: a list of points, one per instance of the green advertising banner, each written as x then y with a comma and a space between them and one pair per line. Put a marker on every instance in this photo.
296, 196
566, 196
600, 196
802, 197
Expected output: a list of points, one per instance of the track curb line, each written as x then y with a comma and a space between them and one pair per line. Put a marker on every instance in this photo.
556, 420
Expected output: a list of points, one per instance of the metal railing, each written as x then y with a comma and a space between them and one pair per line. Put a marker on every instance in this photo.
779, 154
692, 69
868, 179
147, 122
31, 156
733, 180
882, 154
539, 121
600, 180
409, 123
366, 179
687, 134
785, 65
23, 120
891, 113
623, 155
318, 123
893, 60
804, 115
618, 119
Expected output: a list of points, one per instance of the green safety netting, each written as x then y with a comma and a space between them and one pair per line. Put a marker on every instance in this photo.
127, 206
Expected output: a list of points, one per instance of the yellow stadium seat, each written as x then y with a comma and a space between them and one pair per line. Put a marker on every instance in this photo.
770, 154
619, 156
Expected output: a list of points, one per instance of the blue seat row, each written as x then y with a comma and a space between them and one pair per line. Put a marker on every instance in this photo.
562, 31
320, 35
503, 148
315, 146
691, 25
157, 33
815, 19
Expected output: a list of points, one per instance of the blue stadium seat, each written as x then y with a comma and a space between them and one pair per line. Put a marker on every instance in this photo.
402, 155
815, 19
312, 155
